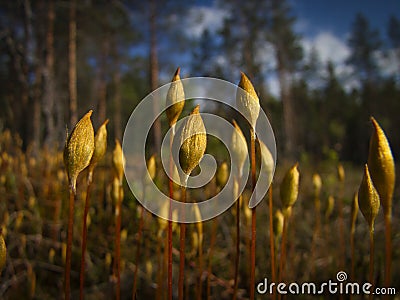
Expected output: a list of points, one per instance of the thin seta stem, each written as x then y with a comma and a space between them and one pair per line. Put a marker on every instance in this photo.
118, 244
200, 286
171, 194
182, 250
271, 237
67, 274
388, 249
317, 229
352, 254
138, 249
282, 261
236, 275
253, 214
341, 227
84, 233
371, 259
214, 227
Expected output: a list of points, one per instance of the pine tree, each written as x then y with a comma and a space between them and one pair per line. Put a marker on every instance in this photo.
364, 41
288, 53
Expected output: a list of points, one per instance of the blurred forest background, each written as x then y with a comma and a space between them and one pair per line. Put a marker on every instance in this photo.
61, 58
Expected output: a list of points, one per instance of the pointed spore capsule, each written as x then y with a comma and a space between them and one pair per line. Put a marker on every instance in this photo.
247, 101
175, 99
193, 141
381, 167
368, 199
79, 149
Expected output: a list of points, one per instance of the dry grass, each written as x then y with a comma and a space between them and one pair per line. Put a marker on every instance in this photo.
34, 214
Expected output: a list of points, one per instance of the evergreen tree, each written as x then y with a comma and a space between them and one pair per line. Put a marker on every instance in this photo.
243, 39
204, 54
394, 38
288, 53
364, 41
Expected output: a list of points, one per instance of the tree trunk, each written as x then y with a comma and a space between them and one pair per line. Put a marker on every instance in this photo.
25, 130
102, 83
48, 74
154, 72
116, 77
289, 119
117, 103
36, 110
37, 85
73, 101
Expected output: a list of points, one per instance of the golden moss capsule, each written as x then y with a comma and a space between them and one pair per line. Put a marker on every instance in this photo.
278, 223
354, 213
3, 252
193, 141
124, 235
317, 184
149, 269
175, 98
118, 161
164, 214
247, 102
151, 167
239, 148
100, 144
381, 167
340, 173
79, 148
52, 254
115, 190
330, 206
64, 252
368, 199
267, 161
247, 210
289, 189
108, 260
222, 175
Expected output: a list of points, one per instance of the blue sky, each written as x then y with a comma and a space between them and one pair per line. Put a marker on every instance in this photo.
337, 16
323, 25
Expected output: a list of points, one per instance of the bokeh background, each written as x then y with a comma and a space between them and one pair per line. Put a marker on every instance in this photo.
321, 69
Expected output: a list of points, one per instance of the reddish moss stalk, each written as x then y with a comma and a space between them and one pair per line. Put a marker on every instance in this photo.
118, 246
371, 260
236, 275
352, 256
253, 215
84, 237
200, 290
138, 249
282, 261
171, 194
210, 253
271, 237
341, 228
182, 252
67, 275
388, 249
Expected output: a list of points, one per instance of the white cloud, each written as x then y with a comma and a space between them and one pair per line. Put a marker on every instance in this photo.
200, 18
387, 62
265, 55
273, 86
328, 46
